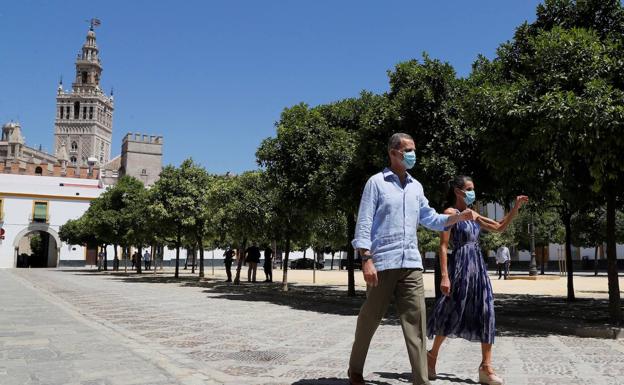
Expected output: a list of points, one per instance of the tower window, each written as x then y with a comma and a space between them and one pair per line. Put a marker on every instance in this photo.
76, 110
73, 160
143, 172
90, 112
84, 77
74, 146
84, 112
61, 110
38, 171
67, 112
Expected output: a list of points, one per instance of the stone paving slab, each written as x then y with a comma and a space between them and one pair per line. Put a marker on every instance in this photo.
77, 327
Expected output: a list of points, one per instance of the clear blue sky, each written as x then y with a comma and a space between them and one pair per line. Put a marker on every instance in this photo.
213, 76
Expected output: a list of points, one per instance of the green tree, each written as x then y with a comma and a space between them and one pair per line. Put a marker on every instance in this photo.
365, 125
567, 86
531, 121
241, 209
199, 214
173, 206
303, 163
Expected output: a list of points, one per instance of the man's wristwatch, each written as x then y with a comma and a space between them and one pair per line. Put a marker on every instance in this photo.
366, 257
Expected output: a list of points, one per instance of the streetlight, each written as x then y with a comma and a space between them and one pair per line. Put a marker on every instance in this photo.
532, 264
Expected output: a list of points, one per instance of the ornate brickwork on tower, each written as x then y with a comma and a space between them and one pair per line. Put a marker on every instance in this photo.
84, 116
83, 130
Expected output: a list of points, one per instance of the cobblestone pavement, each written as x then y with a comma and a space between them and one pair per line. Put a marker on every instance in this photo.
77, 327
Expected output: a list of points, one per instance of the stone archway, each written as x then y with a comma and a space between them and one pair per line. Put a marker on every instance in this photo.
53, 243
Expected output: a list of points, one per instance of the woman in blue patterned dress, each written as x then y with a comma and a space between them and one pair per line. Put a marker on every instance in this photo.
466, 310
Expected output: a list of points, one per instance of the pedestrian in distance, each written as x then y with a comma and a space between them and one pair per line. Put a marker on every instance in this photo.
252, 257
268, 264
502, 261
135, 259
147, 259
228, 257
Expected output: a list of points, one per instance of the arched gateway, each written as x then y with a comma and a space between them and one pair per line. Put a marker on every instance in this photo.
49, 245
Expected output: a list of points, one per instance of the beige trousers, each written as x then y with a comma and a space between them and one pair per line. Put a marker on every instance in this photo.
406, 287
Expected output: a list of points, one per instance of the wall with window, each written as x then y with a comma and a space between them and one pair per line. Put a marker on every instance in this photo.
23, 212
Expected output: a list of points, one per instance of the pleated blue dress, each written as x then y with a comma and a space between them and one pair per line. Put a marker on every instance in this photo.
468, 312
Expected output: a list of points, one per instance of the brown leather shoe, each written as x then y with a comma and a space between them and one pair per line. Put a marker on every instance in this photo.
355, 378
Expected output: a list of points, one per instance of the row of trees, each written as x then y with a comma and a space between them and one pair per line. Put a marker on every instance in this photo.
542, 118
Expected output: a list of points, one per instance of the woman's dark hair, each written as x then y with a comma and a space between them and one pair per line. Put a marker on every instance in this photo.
458, 182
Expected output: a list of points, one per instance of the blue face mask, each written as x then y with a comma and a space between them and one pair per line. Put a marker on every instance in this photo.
470, 197
409, 159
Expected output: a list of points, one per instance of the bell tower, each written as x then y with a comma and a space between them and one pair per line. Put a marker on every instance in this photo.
83, 127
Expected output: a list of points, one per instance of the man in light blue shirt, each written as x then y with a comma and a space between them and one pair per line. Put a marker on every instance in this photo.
393, 205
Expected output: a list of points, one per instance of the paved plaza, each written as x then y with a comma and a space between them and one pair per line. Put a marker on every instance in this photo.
70, 327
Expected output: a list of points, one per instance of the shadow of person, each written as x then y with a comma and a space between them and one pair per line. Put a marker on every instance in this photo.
334, 381
452, 378
407, 378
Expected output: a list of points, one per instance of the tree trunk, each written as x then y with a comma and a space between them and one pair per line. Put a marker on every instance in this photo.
332, 261
177, 264
596, 260
200, 244
139, 259
239, 265
567, 222
350, 256
125, 257
105, 257
285, 265
315, 253
116, 258
615, 306
193, 265
98, 260
161, 251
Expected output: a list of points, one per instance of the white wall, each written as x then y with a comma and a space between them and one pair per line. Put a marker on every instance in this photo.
17, 213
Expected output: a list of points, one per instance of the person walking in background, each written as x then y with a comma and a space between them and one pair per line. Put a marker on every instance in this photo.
392, 207
147, 259
228, 257
466, 309
252, 257
135, 259
101, 257
268, 264
502, 261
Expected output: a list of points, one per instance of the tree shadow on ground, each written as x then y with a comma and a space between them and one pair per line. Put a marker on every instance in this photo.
516, 315
542, 315
320, 298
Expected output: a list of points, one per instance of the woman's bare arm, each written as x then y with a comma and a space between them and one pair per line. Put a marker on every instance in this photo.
499, 227
445, 284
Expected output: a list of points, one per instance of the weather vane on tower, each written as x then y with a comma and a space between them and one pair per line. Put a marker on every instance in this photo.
94, 22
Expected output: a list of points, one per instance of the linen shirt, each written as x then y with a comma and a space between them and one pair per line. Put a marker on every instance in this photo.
388, 218
502, 254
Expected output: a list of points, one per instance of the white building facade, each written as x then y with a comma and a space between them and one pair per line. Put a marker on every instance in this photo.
41, 205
